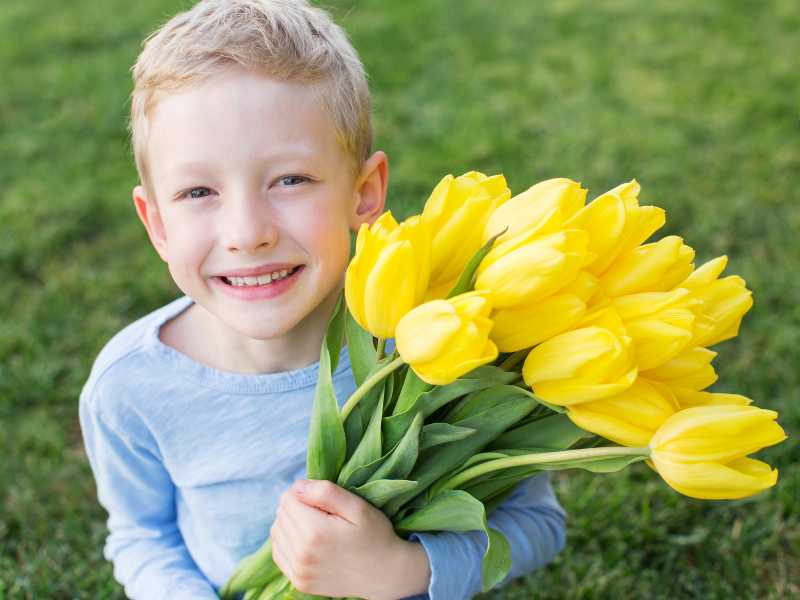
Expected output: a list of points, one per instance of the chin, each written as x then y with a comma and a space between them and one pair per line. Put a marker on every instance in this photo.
261, 330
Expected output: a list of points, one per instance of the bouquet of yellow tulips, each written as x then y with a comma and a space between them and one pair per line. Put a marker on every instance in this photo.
528, 332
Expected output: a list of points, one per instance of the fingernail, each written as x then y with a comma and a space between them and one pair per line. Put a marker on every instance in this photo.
301, 486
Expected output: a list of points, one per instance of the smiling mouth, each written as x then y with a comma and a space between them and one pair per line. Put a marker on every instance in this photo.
261, 280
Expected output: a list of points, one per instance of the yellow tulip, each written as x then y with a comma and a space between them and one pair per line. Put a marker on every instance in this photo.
690, 370
581, 365
376, 294
527, 268
443, 339
660, 324
700, 452
526, 325
455, 214
655, 267
539, 210
616, 224
630, 418
722, 302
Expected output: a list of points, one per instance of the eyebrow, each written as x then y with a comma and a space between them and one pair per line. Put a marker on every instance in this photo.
194, 166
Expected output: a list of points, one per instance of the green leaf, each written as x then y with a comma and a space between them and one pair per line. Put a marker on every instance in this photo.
555, 431
394, 427
595, 465
435, 434
380, 491
413, 386
439, 461
326, 440
456, 510
327, 444
453, 510
402, 459
334, 336
497, 560
497, 498
357, 421
360, 345
481, 400
254, 593
368, 450
466, 282
253, 571
275, 588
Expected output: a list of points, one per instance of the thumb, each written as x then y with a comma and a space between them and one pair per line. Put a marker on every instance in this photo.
329, 497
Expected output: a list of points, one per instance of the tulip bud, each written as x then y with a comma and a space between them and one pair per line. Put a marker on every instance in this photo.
582, 365
655, 267
527, 268
376, 296
660, 324
630, 418
443, 339
539, 210
455, 214
722, 302
616, 224
700, 452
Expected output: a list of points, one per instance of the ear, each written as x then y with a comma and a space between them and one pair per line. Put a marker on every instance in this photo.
148, 213
370, 192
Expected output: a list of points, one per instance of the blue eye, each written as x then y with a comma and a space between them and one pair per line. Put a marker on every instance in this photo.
191, 193
292, 180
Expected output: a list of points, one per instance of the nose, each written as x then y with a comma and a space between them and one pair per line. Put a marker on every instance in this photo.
248, 225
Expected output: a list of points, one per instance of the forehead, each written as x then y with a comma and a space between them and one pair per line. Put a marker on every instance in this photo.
239, 116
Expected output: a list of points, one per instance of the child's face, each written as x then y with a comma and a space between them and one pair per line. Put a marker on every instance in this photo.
250, 179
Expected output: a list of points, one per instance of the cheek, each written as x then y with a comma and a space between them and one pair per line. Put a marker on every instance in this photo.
327, 239
187, 246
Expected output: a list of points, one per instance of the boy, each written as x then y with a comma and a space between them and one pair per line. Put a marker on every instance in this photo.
251, 134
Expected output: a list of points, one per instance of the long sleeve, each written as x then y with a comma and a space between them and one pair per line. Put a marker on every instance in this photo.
148, 552
531, 519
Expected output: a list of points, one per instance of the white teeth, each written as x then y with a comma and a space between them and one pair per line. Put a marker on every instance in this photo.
260, 280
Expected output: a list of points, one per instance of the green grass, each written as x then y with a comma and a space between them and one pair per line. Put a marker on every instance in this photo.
697, 100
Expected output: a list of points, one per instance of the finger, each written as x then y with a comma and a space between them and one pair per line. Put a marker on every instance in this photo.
327, 496
283, 549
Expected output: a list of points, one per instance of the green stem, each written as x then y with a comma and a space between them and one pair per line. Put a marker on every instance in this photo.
367, 386
381, 347
540, 458
513, 360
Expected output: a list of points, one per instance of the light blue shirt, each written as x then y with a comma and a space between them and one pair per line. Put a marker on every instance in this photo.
190, 463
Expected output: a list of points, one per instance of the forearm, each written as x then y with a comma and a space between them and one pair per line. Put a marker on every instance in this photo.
409, 574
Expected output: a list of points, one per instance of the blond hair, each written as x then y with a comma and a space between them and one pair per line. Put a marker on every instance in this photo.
288, 40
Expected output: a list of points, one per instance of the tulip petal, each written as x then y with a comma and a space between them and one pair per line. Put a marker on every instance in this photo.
388, 297
526, 325
425, 332
714, 481
716, 433
562, 357
572, 391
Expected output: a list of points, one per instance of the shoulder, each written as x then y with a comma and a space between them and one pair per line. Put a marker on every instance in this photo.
125, 365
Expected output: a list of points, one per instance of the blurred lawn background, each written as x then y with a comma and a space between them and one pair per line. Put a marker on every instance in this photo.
697, 100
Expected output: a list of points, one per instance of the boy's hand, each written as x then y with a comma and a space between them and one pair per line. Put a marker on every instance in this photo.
330, 542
